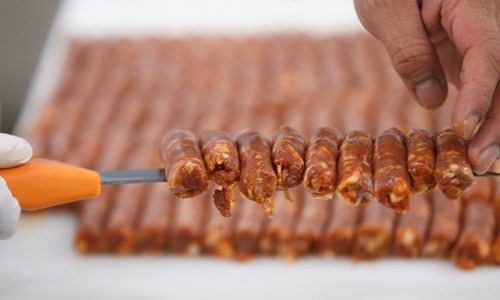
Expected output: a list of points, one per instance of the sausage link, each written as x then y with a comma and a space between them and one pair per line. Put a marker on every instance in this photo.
355, 168
444, 227
453, 171
223, 166
392, 182
339, 236
247, 230
321, 162
277, 235
184, 167
421, 159
373, 233
257, 177
288, 158
474, 244
313, 217
412, 227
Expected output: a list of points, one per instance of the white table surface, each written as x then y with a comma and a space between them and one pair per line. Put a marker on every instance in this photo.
40, 263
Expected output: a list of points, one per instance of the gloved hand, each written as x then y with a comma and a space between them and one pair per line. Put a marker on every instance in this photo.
14, 151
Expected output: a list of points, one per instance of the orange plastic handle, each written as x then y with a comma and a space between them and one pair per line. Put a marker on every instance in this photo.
42, 183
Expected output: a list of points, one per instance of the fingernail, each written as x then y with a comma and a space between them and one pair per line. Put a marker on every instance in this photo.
487, 158
469, 126
430, 93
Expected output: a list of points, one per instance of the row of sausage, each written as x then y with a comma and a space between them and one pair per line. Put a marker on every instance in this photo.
356, 166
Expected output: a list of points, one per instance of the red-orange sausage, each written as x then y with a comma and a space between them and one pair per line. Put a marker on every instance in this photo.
321, 163
257, 177
184, 167
392, 182
453, 171
222, 162
288, 157
355, 168
421, 159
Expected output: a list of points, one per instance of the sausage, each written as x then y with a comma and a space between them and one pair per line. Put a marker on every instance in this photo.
355, 168
373, 233
154, 220
257, 178
222, 162
444, 227
409, 237
216, 235
185, 233
278, 233
184, 167
119, 228
474, 244
473, 247
321, 163
495, 253
247, 230
288, 158
453, 171
392, 182
313, 216
339, 236
90, 219
421, 158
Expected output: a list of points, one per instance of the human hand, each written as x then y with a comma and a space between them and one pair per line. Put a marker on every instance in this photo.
14, 151
431, 42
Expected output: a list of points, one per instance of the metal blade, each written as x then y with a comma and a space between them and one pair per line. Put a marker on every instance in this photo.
488, 174
133, 176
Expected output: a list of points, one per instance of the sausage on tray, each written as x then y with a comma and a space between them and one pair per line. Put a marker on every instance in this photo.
184, 234
276, 237
453, 171
257, 177
421, 150
444, 227
355, 168
288, 158
474, 244
216, 235
313, 216
339, 236
373, 233
223, 166
248, 229
321, 163
409, 237
184, 167
392, 182
154, 221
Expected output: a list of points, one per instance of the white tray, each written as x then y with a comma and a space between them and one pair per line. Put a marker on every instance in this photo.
40, 263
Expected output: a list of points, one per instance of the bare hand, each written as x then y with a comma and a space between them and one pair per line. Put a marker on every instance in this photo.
431, 42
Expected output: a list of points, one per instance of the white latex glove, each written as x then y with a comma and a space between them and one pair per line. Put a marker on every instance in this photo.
14, 151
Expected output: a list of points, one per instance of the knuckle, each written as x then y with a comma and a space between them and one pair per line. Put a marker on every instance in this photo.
412, 59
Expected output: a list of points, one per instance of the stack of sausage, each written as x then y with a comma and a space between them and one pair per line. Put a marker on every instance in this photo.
117, 98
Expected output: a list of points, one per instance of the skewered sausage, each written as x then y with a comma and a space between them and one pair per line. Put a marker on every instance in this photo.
421, 159
392, 182
184, 167
355, 168
222, 162
453, 171
321, 163
257, 177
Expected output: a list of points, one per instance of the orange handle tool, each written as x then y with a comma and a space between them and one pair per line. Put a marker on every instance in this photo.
42, 183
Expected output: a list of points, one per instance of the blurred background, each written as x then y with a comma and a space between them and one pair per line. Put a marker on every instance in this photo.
24, 26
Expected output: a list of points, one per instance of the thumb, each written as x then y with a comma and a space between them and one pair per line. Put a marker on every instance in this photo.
398, 25
14, 151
